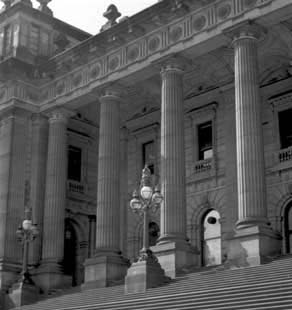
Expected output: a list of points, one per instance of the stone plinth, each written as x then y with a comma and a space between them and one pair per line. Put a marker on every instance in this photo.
253, 246
22, 293
176, 257
144, 274
105, 270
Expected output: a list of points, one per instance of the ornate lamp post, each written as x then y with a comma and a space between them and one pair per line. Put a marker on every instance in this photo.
146, 272
26, 233
143, 201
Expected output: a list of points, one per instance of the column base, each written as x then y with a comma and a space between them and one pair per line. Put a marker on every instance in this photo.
105, 270
176, 256
252, 246
22, 293
144, 274
49, 276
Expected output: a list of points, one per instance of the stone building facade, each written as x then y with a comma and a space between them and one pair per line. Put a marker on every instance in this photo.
198, 90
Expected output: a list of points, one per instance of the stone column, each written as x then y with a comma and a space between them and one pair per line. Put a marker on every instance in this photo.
173, 250
256, 237
13, 147
50, 272
39, 149
107, 265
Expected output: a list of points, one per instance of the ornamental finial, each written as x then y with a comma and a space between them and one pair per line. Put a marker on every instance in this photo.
7, 4
112, 14
44, 7
146, 176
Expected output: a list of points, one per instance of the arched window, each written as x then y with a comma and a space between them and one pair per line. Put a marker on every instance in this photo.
288, 228
211, 239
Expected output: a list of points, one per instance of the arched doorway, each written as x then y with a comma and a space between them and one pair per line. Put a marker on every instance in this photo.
211, 239
70, 254
288, 228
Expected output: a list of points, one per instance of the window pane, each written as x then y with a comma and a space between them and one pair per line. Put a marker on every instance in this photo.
205, 140
74, 163
1, 42
34, 39
44, 44
149, 155
7, 40
285, 128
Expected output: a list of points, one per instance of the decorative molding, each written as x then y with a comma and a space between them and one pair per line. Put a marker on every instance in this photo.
156, 42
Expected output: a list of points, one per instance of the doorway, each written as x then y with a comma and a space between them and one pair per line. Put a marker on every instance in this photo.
211, 239
288, 228
70, 252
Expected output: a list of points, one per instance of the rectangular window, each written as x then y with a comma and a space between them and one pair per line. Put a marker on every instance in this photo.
149, 155
74, 163
205, 139
285, 128
7, 40
34, 39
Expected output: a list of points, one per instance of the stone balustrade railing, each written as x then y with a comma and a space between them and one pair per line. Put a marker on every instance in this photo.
75, 187
203, 165
285, 155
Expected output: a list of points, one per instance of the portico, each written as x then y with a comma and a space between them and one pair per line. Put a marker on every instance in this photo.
173, 84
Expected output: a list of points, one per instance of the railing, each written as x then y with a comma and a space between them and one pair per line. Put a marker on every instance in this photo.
285, 155
203, 165
75, 187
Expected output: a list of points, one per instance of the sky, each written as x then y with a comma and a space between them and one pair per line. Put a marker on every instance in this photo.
87, 14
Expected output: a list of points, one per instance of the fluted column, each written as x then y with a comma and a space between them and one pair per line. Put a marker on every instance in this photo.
252, 206
13, 156
173, 250
39, 147
254, 240
55, 194
108, 190
107, 265
173, 209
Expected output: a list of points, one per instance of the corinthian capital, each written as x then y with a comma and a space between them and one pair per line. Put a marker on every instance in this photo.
247, 29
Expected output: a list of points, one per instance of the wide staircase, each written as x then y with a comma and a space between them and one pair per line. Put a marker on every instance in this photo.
268, 286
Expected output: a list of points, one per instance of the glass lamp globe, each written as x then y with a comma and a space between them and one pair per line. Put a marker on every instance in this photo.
157, 198
146, 192
26, 224
135, 204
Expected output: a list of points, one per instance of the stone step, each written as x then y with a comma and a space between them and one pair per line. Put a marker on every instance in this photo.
216, 293
186, 285
213, 288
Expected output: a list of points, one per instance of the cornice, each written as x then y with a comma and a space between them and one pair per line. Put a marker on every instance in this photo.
183, 32
156, 44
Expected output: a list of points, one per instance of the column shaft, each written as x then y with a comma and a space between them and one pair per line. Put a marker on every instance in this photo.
173, 209
108, 191
55, 195
249, 136
39, 150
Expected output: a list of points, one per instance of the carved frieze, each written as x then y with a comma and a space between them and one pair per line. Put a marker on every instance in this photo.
158, 41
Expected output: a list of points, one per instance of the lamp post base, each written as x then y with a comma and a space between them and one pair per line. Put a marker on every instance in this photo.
22, 293
144, 274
